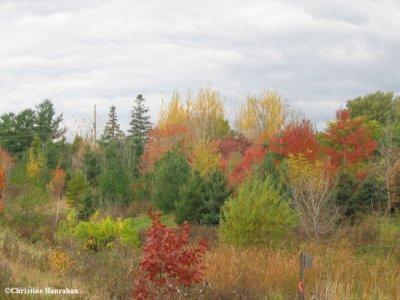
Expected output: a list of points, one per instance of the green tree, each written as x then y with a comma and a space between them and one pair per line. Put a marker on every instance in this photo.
112, 129
217, 192
77, 189
92, 165
140, 122
344, 190
370, 195
28, 195
201, 198
379, 106
190, 204
257, 215
87, 208
17, 131
114, 181
170, 173
47, 126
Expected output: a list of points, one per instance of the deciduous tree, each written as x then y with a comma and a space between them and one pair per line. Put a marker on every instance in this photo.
260, 117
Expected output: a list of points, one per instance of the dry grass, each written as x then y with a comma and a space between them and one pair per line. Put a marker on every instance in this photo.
337, 273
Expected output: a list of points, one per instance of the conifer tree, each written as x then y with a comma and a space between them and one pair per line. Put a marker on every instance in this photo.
112, 129
140, 122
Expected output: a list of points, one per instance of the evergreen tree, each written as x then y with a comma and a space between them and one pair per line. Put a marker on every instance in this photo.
201, 198
77, 189
140, 122
114, 182
112, 129
217, 192
190, 205
87, 207
170, 173
47, 127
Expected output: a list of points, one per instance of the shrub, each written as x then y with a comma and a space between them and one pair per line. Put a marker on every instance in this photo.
256, 215
168, 261
102, 234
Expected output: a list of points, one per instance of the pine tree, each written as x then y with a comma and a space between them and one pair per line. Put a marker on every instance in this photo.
140, 123
112, 129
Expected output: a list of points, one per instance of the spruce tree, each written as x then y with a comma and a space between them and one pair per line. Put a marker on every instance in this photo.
140, 122
112, 129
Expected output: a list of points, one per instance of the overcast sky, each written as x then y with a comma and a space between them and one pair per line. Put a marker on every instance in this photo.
317, 54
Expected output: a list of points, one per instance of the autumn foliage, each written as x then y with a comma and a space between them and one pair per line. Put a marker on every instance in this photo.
6, 162
296, 138
348, 141
252, 156
163, 140
168, 262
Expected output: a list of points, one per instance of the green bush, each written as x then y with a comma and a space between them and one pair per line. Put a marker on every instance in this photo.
257, 215
97, 235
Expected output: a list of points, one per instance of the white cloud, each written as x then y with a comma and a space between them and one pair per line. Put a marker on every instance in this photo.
317, 54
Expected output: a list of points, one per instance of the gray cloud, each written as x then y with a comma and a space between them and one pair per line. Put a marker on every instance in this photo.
318, 54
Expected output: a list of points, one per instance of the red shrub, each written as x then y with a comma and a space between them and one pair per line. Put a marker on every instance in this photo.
168, 261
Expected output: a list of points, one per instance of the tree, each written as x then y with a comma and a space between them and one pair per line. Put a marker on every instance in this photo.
168, 262
256, 215
379, 106
260, 117
347, 141
114, 182
203, 114
170, 173
388, 154
87, 207
171, 138
112, 129
17, 131
190, 203
205, 157
229, 145
217, 192
296, 138
200, 198
29, 195
311, 188
140, 122
92, 165
47, 127
346, 186
244, 168
77, 189
56, 186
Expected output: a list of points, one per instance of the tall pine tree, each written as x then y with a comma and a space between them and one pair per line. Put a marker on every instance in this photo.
112, 129
140, 122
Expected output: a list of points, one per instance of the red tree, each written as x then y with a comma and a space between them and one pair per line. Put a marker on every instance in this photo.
161, 141
168, 261
348, 141
252, 156
295, 139
229, 144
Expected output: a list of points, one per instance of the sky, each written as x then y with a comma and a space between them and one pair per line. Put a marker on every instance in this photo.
316, 54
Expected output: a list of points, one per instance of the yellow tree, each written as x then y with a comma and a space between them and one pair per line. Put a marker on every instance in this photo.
205, 157
260, 117
173, 114
203, 114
